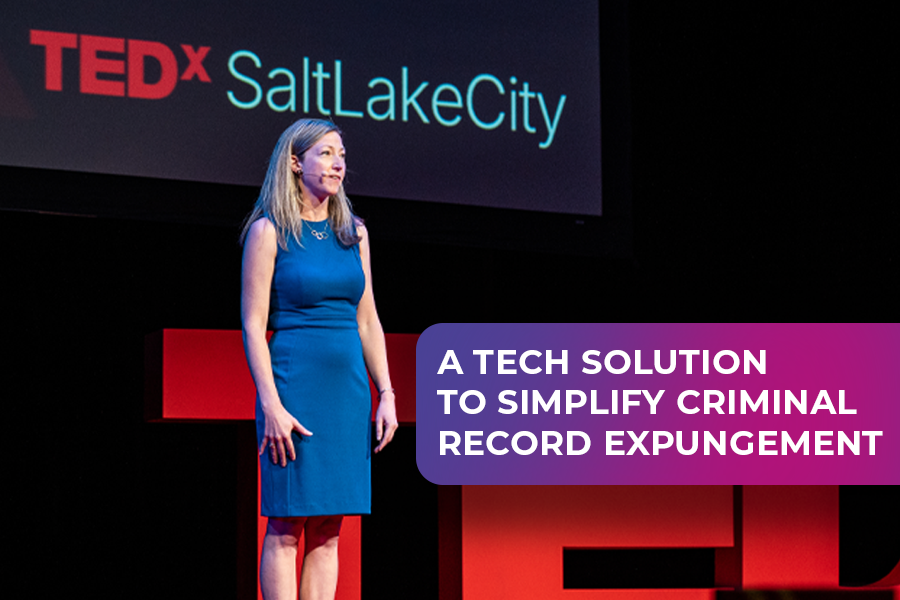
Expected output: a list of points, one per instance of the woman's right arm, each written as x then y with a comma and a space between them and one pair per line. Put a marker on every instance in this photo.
260, 249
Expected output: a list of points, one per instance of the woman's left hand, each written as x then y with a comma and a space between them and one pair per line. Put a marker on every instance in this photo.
385, 420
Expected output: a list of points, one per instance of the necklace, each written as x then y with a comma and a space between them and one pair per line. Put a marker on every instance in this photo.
319, 235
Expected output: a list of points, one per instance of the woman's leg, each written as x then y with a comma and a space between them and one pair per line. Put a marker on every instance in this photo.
318, 581
278, 565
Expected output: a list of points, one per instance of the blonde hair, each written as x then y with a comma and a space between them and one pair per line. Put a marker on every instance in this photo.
280, 198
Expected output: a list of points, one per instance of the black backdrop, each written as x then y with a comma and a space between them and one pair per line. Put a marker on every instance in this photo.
763, 143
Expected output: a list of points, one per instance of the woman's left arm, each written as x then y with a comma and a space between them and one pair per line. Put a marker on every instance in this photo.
372, 336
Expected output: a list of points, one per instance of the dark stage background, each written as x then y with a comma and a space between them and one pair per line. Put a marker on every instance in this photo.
764, 143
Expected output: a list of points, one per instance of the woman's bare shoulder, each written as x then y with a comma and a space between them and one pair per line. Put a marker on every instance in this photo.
361, 230
262, 229
262, 237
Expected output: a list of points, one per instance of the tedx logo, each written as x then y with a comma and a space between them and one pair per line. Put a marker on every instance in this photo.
110, 66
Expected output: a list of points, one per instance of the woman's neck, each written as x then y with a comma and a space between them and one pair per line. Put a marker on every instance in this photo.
315, 209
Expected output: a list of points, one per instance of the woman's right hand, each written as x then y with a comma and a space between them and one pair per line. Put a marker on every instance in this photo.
260, 250
277, 437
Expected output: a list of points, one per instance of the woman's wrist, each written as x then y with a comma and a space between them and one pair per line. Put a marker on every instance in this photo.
269, 403
387, 392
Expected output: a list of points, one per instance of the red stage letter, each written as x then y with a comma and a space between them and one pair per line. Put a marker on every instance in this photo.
196, 63
53, 43
138, 87
91, 65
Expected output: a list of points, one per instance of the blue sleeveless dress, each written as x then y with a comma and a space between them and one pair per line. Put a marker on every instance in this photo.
321, 378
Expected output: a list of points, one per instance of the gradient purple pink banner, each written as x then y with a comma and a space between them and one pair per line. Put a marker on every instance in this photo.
663, 403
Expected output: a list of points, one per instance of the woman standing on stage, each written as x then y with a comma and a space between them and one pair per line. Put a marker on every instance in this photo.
306, 272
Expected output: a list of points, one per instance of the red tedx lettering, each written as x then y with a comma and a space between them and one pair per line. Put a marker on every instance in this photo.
53, 43
196, 63
92, 65
137, 86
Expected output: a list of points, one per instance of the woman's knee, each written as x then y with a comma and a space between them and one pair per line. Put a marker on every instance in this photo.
285, 531
323, 531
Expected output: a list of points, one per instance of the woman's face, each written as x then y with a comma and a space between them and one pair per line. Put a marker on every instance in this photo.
323, 166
